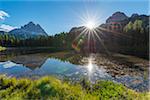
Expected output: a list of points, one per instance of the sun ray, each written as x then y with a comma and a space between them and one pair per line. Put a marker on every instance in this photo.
102, 43
82, 33
92, 31
114, 32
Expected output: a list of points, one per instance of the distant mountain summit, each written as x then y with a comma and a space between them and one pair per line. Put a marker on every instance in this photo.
34, 29
116, 22
117, 17
29, 30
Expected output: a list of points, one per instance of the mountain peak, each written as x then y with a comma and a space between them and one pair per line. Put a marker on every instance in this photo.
33, 28
118, 13
30, 29
30, 23
116, 17
134, 15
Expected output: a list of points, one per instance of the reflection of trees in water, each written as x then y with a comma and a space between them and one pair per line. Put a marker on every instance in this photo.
71, 58
5, 57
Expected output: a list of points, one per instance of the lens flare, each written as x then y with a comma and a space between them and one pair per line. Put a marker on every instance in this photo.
78, 43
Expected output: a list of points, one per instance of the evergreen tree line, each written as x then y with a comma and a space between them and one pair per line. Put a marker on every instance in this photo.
136, 39
58, 40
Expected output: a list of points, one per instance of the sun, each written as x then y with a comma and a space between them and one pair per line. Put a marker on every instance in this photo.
90, 25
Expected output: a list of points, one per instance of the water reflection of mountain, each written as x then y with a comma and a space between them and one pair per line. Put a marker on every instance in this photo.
31, 61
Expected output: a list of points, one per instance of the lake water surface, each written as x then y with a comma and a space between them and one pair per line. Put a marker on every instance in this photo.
38, 65
56, 67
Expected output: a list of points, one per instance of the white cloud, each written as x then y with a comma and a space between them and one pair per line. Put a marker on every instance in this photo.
3, 14
6, 28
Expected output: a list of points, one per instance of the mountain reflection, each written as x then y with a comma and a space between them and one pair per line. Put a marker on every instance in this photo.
31, 61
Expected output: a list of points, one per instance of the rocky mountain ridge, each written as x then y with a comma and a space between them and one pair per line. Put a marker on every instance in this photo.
29, 29
119, 17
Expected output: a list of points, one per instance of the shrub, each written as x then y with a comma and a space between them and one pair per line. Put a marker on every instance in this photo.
51, 88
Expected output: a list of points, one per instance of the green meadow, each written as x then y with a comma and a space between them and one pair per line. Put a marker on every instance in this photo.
51, 88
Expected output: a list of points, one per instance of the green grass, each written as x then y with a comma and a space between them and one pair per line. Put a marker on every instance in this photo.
2, 48
50, 88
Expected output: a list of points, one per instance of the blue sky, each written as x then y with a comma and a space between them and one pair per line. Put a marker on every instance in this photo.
61, 15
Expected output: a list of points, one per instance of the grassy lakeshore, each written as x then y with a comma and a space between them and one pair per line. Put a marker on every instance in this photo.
52, 88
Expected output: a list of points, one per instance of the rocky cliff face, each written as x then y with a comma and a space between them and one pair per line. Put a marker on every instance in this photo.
144, 18
114, 23
117, 17
29, 29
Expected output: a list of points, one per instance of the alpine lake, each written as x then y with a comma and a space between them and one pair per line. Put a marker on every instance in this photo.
128, 70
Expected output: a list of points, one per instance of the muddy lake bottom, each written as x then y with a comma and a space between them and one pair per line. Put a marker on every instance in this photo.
124, 69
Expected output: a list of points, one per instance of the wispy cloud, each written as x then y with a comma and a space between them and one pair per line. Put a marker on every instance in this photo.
3, 14
6, 28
